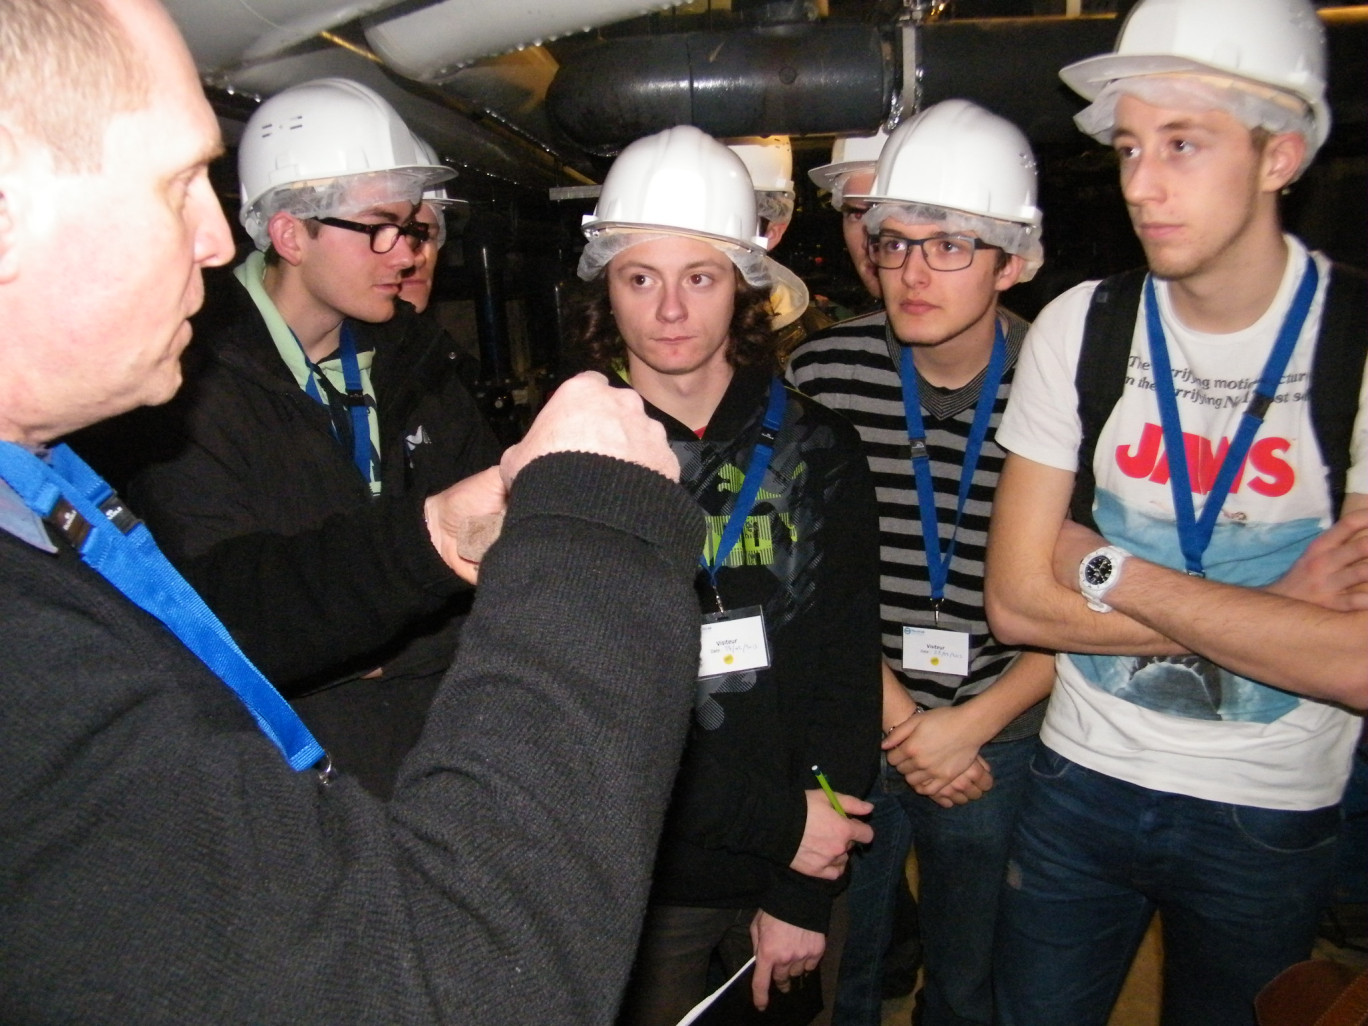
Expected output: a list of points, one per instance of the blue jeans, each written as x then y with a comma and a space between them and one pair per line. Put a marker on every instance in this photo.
961, 858
1238, 889
1351, 879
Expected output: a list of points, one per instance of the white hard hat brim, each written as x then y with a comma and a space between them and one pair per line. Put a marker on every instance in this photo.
1030, 216
1089, 77
433, 174
825, 177
592, 228
788, 294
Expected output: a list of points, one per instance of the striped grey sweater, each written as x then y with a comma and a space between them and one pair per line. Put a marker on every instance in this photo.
850, 368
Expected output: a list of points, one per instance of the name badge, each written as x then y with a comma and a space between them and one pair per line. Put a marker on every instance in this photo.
733, 641
933, 651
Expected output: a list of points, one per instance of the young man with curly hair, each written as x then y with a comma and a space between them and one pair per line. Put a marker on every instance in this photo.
753, 852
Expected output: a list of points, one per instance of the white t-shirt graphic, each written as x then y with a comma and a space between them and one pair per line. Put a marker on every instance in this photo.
1183, 724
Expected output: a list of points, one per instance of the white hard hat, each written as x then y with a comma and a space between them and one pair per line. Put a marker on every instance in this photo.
437, 196
966, 169
318, 131
446, 206
1274, 43
684, 182
959, 156
681, 179
769, 161
849, 154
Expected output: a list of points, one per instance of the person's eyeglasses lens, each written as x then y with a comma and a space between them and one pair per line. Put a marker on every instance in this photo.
384, 237
942, 252
417, 233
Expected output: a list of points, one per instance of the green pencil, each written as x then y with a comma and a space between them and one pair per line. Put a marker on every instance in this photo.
831, 795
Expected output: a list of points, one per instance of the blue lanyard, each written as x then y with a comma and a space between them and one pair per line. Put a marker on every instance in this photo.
113, 542
1194, 535
750, 485
938, 559
355, 397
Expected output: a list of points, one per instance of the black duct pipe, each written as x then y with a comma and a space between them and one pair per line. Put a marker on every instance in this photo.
833, 78
1011, 66
794, 80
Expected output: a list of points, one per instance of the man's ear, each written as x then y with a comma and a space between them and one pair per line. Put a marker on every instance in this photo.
288, 237
1282, 160
1009, 273
11, 186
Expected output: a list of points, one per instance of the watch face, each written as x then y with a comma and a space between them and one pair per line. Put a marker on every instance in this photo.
1098, 571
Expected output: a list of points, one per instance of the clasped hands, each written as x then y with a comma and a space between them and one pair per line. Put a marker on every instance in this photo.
937, 760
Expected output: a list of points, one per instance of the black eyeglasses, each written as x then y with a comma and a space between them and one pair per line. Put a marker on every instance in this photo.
942, 252
385, 236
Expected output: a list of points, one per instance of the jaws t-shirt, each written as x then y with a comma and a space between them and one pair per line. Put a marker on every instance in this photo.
1183, 724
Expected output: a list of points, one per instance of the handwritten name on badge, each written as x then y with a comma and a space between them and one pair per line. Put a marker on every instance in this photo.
932, 651
732, 642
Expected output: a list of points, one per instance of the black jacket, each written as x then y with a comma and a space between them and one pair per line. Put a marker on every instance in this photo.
245, 488
812, 563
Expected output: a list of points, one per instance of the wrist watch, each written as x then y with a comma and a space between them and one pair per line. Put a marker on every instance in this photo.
1098, 573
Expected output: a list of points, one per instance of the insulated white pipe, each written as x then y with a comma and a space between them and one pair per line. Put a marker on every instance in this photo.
433, 43
223, 34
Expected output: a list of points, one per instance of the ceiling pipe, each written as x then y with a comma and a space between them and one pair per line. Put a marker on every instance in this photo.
1011, 66
223, 35
796, 80
432, 43
838, 78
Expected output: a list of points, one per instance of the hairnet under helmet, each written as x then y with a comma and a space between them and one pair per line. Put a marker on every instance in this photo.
437, 197
1262, 61
683, 182
966, 169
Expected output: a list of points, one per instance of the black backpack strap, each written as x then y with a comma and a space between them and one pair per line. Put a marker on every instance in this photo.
1101, 374
1337, 372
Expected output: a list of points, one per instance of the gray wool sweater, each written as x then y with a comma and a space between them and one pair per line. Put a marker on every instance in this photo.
159, 862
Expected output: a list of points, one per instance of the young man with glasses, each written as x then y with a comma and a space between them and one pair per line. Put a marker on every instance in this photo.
287, 480
952, 223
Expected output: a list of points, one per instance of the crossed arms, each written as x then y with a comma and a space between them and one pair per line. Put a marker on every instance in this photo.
1306, 633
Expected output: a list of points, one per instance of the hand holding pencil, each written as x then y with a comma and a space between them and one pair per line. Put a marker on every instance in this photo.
830, 833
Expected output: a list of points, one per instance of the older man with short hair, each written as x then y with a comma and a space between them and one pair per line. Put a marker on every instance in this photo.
173, 845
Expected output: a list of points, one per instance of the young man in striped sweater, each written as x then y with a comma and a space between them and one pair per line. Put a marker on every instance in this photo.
925, 382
